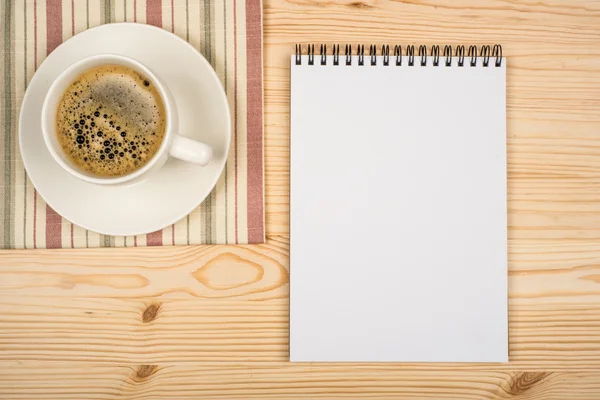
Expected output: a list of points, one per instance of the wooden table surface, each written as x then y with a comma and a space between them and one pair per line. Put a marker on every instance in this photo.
212, 322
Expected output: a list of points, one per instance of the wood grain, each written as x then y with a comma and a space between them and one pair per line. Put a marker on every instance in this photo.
212, 322
182, 305
284, 380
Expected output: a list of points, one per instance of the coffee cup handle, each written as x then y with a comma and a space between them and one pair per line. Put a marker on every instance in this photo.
190, 150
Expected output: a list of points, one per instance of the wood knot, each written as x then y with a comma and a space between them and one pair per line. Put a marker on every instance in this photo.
525, 381
150, 313
145, 371
360, 5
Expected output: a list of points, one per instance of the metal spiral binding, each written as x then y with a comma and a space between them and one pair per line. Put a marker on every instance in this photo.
460, 54
385, 51
423, 55
410, 52
373, 54
486, 52
435, 54
473, 55
348, 54
447, 55
361, 54
311, 54
497, 52
398, 54
336, 54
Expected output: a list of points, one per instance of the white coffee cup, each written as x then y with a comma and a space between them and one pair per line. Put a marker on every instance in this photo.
173, 144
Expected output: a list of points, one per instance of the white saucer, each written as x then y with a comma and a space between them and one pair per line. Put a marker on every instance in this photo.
177, 188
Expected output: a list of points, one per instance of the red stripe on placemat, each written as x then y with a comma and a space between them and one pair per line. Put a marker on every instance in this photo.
72, 34
34, 218
34, 35
53, 39
154, 12
154, 238
154, 17
172, 21
53, 229
53, 24
254, 121
34, 69
235, 133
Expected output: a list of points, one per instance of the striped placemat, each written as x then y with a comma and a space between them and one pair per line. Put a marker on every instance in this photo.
227, 32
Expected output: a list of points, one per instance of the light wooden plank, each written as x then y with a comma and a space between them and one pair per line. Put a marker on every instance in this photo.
289, 381
210, 303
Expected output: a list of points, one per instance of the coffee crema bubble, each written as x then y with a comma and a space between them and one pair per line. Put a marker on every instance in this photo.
110, 121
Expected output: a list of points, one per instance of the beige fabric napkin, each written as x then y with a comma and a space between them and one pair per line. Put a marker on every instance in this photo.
227, 33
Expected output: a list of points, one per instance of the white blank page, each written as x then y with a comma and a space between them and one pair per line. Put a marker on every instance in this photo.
398, 212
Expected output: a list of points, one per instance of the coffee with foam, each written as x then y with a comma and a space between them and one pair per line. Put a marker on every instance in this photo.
111, 121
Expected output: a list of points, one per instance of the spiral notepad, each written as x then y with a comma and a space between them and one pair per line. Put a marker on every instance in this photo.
398, 204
